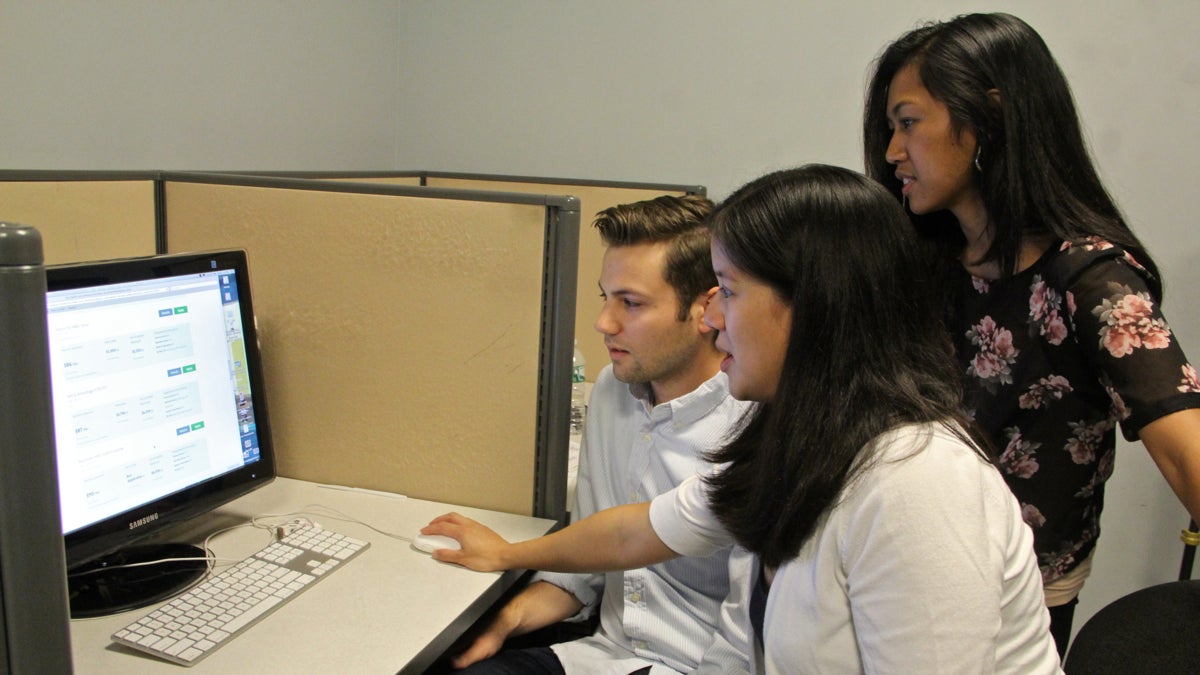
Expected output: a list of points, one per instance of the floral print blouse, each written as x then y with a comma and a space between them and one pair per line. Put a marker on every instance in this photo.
1054, 358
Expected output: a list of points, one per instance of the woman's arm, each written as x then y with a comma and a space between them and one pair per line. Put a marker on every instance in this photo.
537, 606
619, 538
1134, 351
1173, 442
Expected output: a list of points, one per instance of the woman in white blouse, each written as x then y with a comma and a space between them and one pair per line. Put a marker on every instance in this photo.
886, 540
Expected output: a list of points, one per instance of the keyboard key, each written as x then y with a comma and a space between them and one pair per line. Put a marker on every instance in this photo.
194, 624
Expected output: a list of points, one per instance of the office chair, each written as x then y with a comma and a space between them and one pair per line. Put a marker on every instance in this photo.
1153, 630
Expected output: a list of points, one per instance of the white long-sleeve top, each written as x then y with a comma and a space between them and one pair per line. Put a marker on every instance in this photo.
923, 565
664, 615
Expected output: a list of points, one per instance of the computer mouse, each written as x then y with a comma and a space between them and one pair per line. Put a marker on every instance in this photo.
432, 542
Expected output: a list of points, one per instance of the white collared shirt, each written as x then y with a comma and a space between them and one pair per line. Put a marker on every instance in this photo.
664, 615
923, 565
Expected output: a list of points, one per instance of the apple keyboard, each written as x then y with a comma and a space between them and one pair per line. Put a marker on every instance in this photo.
218, 609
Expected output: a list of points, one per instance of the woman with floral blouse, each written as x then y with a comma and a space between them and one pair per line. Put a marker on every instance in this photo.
1052, 300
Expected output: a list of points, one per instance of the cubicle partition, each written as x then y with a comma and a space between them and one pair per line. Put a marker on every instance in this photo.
415, 340
84, 215
593, 196
416, 325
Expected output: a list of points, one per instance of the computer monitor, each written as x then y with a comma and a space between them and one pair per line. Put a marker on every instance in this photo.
159, 415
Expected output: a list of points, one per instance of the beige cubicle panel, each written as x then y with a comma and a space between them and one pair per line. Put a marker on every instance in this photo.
593, 197
84, 219
400, 334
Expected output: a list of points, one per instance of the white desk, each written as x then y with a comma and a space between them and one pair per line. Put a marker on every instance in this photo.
391, 609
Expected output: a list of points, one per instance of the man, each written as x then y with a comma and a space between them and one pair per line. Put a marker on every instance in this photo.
652, 415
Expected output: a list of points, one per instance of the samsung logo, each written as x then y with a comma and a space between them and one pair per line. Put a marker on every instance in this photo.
142, 521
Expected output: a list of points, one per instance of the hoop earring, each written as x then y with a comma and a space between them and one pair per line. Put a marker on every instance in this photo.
978, 151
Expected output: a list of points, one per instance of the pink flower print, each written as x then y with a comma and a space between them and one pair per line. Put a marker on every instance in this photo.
1084, 440
1090, 244
981, 285
1133, 261
1055, 563
1041, 300
1018, 458
1118, 411
1128, 323
996, 351
1046, 389
1032, 516
1190, 382
1045, 311
1119, 344
1054, 330
1107, 462
1104, 471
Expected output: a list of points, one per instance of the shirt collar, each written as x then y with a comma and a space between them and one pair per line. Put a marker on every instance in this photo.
690, 407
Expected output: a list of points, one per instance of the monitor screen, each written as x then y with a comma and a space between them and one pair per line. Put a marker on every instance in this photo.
159, 414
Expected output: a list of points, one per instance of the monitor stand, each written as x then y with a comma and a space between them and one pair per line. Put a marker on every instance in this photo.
110, 585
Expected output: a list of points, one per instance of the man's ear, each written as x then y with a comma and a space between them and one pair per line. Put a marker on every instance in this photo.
701, 304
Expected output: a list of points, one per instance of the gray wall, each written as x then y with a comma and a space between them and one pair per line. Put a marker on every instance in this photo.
198, 84
703, 92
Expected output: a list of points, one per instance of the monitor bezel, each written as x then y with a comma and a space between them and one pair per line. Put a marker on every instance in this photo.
136, 525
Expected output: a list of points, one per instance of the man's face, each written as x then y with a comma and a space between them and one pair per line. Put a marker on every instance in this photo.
640, 321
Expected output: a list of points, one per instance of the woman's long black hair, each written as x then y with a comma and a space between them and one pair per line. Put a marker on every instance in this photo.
1036, 176
866, 351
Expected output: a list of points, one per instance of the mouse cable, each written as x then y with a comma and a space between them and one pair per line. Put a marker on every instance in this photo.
322, 511
277, 524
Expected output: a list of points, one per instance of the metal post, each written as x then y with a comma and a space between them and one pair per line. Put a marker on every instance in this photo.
33, 586
1191, 538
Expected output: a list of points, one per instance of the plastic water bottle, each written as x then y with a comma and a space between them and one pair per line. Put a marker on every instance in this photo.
578, 399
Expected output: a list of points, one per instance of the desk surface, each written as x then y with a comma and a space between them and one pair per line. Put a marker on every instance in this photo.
391, 609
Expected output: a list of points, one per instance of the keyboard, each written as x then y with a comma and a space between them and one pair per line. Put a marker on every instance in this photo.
218, 609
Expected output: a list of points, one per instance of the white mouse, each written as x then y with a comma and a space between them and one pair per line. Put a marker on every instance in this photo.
432, 542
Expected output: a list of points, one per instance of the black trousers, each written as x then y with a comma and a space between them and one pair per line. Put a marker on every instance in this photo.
1061, 618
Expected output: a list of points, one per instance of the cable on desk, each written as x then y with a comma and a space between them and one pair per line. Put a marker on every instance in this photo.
276, 529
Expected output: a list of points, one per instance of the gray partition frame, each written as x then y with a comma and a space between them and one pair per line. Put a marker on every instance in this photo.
559, 270
54, 176
499, 178
666, 187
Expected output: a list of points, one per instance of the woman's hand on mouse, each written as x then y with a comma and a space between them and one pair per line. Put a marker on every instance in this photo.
482, 549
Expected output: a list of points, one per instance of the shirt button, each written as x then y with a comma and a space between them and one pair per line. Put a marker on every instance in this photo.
640, 644
635, 597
